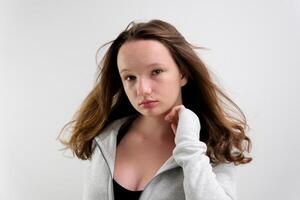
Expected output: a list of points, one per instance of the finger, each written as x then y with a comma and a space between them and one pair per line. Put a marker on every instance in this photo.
174, 112
173, 128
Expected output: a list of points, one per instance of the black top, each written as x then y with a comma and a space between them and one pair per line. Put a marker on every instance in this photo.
119, 191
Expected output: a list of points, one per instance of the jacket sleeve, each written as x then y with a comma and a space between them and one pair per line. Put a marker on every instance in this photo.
201, 181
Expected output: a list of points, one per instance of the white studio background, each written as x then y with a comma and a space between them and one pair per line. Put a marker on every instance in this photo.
47, 67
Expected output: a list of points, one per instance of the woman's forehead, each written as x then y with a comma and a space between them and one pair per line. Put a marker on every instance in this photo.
142, 53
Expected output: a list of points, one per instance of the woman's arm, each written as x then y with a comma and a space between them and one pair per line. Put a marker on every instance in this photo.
201, 181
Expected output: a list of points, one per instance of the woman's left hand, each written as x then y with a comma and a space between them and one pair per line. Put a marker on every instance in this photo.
173, 116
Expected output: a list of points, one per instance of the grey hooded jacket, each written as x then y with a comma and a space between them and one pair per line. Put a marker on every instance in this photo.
187, 174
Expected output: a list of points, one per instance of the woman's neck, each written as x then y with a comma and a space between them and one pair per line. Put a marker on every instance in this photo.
153, 127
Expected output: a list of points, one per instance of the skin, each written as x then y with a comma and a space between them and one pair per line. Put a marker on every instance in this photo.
150, 139
161, 82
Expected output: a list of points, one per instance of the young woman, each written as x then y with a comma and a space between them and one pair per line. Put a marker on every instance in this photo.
155, 126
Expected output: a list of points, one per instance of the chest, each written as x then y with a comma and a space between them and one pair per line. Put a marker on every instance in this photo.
137, 161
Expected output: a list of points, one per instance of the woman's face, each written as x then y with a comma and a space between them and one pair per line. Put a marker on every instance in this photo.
148, 72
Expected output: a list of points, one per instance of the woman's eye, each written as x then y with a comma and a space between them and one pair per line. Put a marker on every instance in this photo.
157, 70
130, 77
126, 78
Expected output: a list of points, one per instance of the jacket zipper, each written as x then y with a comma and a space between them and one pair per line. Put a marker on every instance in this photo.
152, 180
108, 192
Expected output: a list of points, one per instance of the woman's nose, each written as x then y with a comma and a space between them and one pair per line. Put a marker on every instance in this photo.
143, 86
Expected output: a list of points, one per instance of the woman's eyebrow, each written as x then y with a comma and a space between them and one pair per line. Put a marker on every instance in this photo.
149, 65
124, 70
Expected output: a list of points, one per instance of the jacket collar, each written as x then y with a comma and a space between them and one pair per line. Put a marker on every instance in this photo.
107, 143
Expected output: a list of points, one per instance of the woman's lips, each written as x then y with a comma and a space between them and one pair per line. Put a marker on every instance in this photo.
149, 104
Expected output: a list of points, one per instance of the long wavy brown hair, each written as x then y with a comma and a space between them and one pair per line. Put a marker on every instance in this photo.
223, 124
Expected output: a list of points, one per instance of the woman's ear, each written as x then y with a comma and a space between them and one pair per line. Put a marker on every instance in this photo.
183, 79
